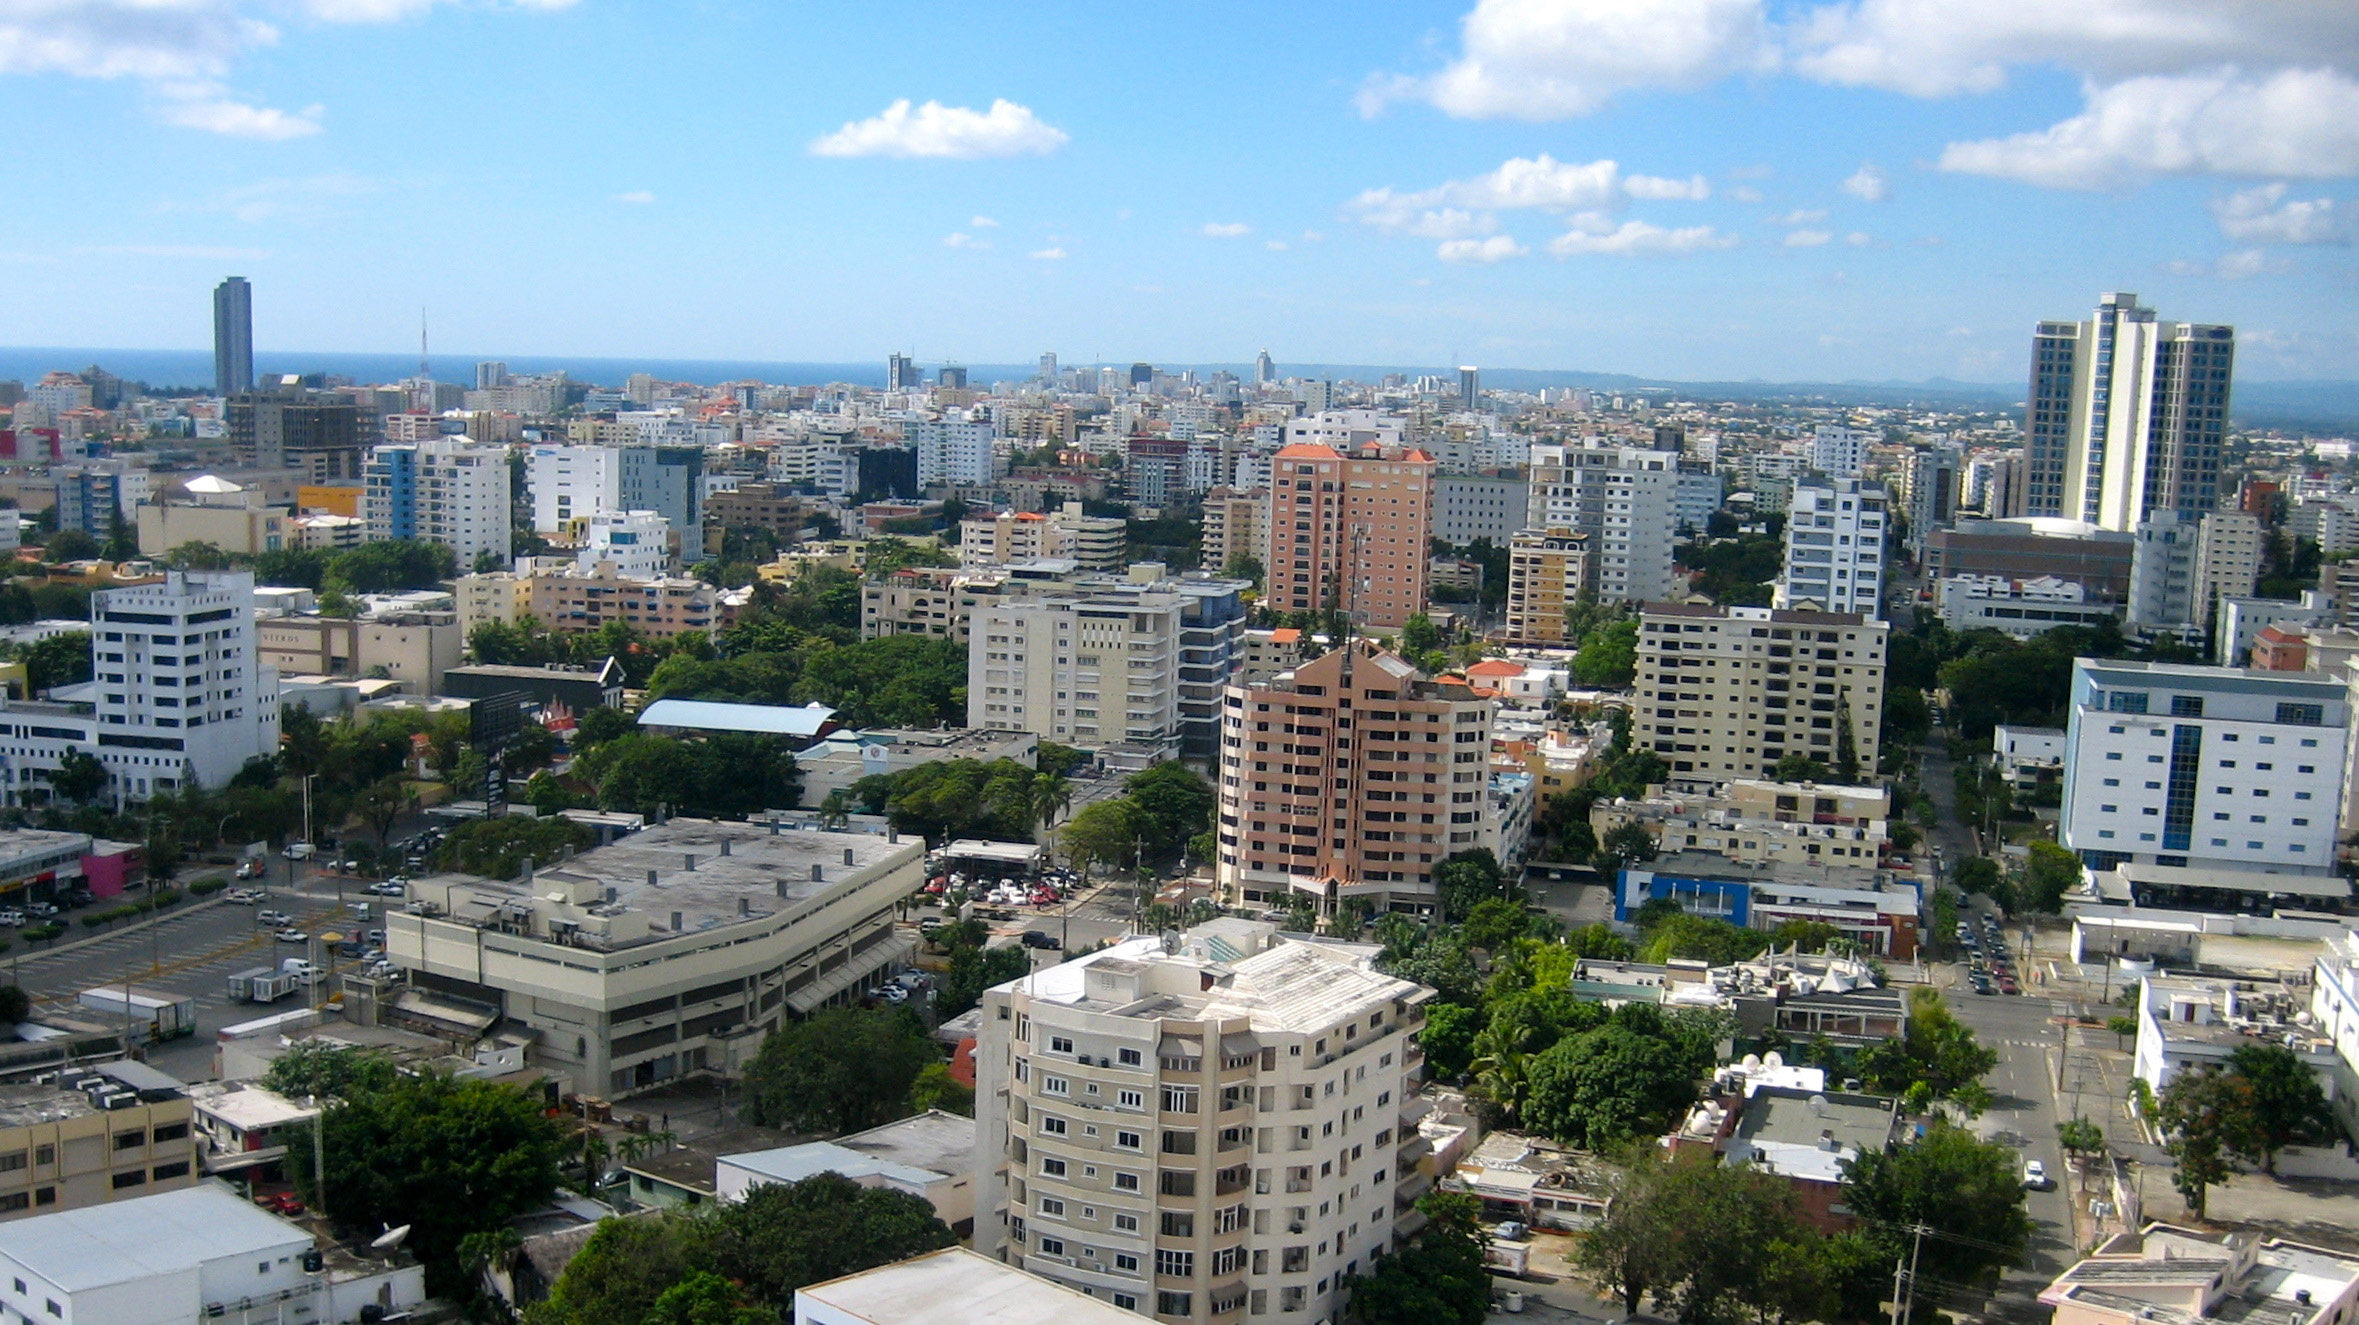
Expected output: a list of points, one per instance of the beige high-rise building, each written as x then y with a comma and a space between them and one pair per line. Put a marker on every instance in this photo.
1236, 524
1085, 670
1547, 570
1350, 532
1214, 1128
997, 540
2227, 560
1726, 692
1351, 776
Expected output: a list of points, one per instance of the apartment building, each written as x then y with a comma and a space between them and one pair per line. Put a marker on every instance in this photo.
106, 1133
637, 544
1839, 452
1471, 506
952, 450
1235, 525
1547, 572
412, 648
1726, 692
2127, 415
1835, 547
568, 483
574, 600
1754, 821
2204, 767
1090, 542
1089, 670
1350, 532
209, 509
767, 506
1626, 499
1936, 482
672, 951
2228, 553
1353, 775
453, 492
1213, 1127
2022, 608
2188, 1276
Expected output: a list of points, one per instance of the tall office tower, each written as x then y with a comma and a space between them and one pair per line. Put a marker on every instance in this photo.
1350, 532
1307, 808
1142, 375
952, 450
1048, 367
640, 387
2215, 768
490, 373
1470, 387
1117, 1103
1671, 437
953, 377
233, 336
316, 433
902, 373
453, 492
1726, 692
1835, 547
1626, 498
1547, 572
1936, 479
1265, 369
182, 698
1839, 452
2126, 415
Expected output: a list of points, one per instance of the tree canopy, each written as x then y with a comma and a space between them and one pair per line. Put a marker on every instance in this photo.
844, 1070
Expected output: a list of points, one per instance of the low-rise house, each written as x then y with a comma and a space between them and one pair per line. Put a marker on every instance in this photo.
931, 1155
2165, 1274
1785, 1121
954, 1286
2185, 1022
241, 1129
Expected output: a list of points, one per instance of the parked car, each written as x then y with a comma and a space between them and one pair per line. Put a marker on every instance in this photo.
292, 935
284, 1203
1035, 938
80, 897
41, 910
12, 916
892, 995
267, 917
249, 869
300, 851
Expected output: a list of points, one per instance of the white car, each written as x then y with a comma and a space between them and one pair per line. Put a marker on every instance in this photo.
12, 916
2035, 1176
293, 936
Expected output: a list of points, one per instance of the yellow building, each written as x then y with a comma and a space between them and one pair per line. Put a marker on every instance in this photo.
1546, 572
121, 1131
330, 498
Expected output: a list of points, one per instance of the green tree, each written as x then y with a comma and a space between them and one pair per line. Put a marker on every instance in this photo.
446, 1157
2288, 1108
196, 556
2079, 1136
318, 1068
1174, 804
1469, 878
975, 968
1495, 922
2208, 1115
70, 545
60, 660
1967, 1190
620, 1272
1440, 1279
935, 1088
844, 1070
1611, 1083
1107, 832
79, 777
1623, 844
705, 1298
15, 1004
1449, 1038
1935, 1049
392, 566
500, 848
1633, 1251
1799, 768
2049, 871
1608, 656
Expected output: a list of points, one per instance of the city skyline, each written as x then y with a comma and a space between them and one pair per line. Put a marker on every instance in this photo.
1694, 190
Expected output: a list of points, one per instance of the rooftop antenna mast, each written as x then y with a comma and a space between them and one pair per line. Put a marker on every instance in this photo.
423, 371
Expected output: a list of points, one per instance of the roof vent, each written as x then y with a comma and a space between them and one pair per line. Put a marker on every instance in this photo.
651, 878
691, 860
818, 872
611, 894
847, 855
676, 922
725, 846
745, 906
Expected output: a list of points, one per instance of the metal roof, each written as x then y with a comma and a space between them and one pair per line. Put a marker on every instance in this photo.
123, 1241
718, 716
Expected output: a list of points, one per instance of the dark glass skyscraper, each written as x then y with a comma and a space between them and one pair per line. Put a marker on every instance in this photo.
233, 336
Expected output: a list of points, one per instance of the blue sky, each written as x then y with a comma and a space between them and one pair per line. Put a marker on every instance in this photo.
1676, 188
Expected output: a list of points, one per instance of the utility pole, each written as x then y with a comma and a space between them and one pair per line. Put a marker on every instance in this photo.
1904, 1277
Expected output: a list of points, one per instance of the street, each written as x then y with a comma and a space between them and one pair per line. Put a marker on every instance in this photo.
2027, 1032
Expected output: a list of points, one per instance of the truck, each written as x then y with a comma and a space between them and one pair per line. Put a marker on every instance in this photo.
168, 1016
262, 985
301, 970
1513, 1259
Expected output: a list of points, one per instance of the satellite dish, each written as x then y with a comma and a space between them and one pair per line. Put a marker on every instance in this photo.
1752, 1062
1818, 1105
1171, 942
390, 1239
1773, 1059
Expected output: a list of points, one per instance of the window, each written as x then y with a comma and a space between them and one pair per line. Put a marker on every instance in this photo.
1050, 1205
131, 1140
1126, 1182
1126, 1224
12, 1161
167, 1172
2301, 715
1131, 1099
1178, 1263
14, 1201
1051, 1166
1129, 1141
1174, 1304
131, 1178
1055, 1085
1126, 1262
1052, 1246
1128, 1057
1060, 1044
1053, 1126
171, 1132
1179, 1099
45, 1154
1126, 1301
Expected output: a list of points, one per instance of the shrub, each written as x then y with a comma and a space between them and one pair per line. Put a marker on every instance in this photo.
207, 887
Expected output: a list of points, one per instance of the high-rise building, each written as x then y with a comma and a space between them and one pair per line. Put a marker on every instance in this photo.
1835, 547
2009, 490
1470, 386
2227, 561
1839, 452
1142, 375
1265, 369
1048, 367
1353, 775
1093, 543
902, 373
1626, 499
315, 432
2126, 415
1235, 525
490, 373
453, 492
637, 544
1350, 532
1936, 483
1547, 572
2204, 767
568, 483
233, 336
1726, 692
1471, 506
953, 377
1196, 1127
1085, 670
668, 480
952, 450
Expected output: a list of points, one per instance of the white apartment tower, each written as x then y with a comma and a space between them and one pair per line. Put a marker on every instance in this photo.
1726, 692
1083, 671
637, 543
1206, 1127
1839, 452
1835, 547
453, 492
2127, 414
1625, 498
569, 483
951, 450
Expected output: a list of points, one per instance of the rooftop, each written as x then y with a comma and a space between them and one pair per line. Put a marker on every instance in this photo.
957, 1286
1297, 984
123, 1241
713, 715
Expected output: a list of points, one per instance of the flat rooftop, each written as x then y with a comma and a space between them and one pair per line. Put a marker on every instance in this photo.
1295, 985
681, 866
957, 1286
123, 1241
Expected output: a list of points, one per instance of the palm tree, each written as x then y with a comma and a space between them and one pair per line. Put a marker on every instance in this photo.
1500, 1063
836, 810
1156, 917
1047, 797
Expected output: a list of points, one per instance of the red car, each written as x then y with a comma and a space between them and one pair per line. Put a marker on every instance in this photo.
283, 1203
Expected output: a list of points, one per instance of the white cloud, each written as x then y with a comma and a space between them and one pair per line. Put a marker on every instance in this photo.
1549, 59
1459, 208
1807, 239
1225, 229
1314, 237
637, 197
1594, 233
125, 38
2239, 265
237, 119
1494, 249
961, 239
388, 11
982, 223
1798, 216
936, 130
2297, 122
1274, 245
1859, 239
1868, 184
1048, 254
1695, 188
1745, 193
2256, 214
